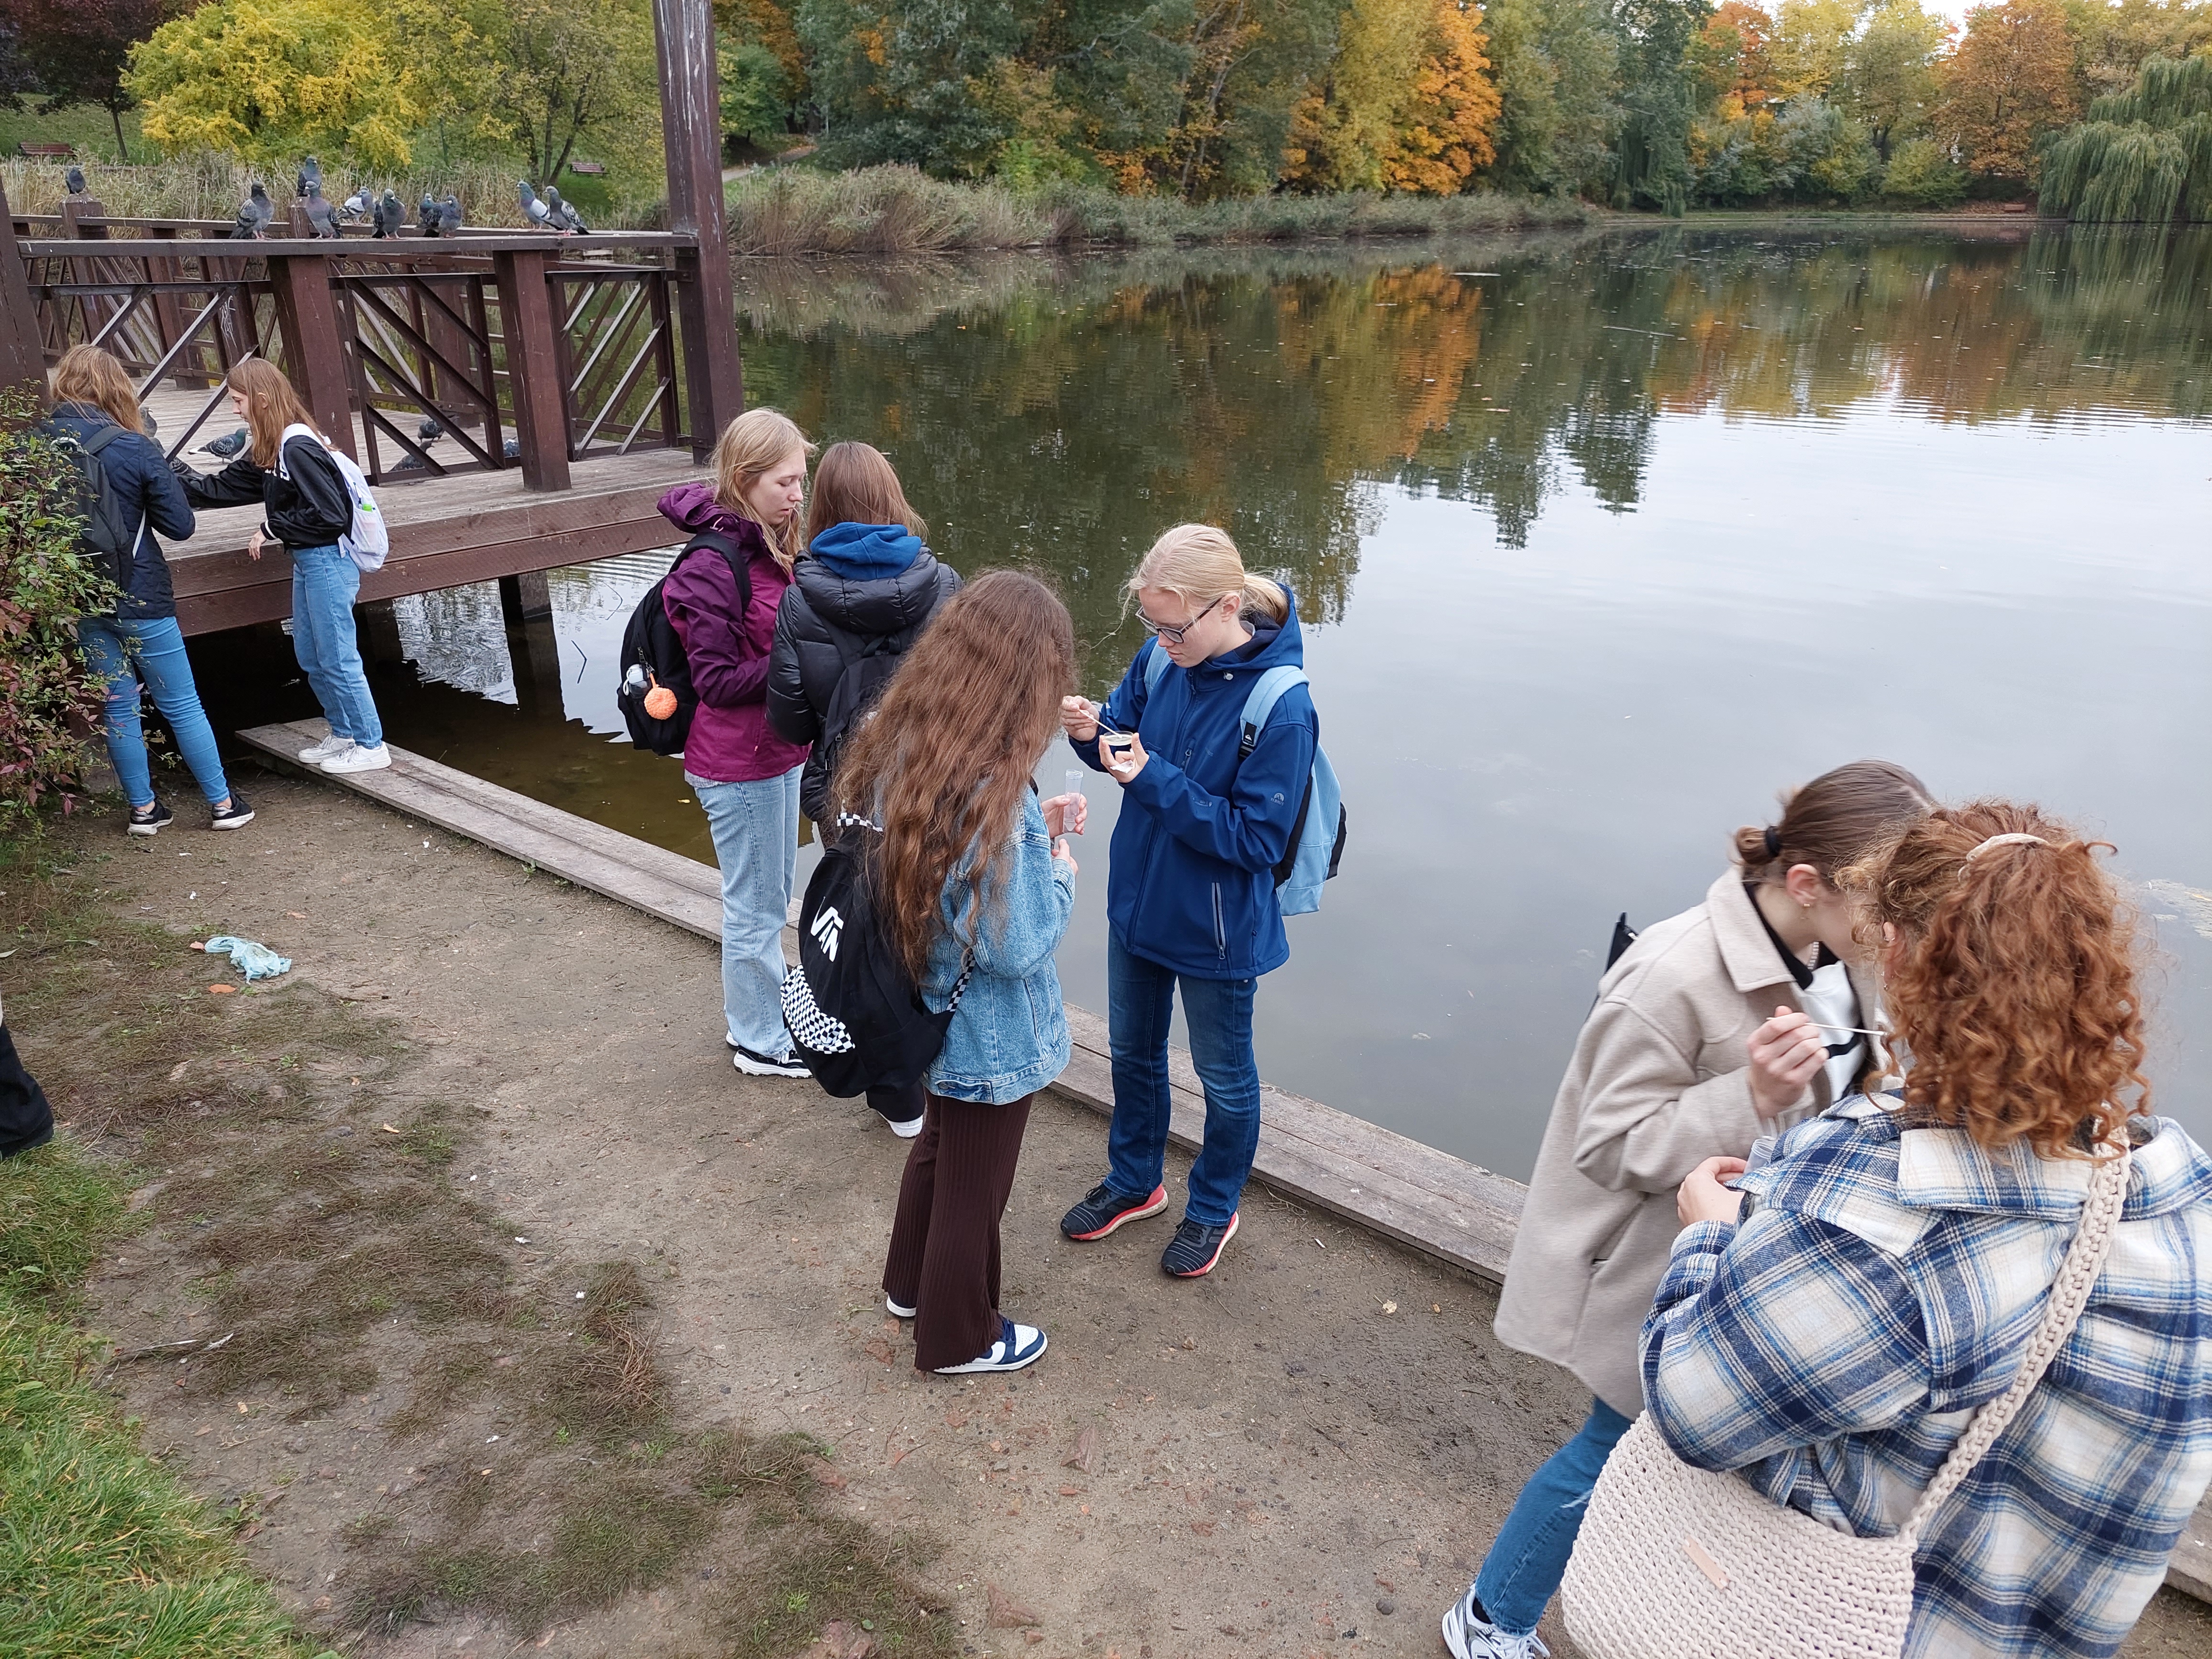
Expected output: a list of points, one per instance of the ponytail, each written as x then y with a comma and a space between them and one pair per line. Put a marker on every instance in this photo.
1832, 821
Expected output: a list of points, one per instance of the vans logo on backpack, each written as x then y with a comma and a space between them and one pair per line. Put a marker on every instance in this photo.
827, 928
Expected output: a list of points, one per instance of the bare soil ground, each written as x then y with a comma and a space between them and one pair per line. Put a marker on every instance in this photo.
550, 1333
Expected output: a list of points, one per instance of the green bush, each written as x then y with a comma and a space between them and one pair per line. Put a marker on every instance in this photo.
1921, 175
48, 703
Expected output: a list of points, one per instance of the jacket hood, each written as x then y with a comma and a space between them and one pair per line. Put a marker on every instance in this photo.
692, 507
861, 552
878, 605
1273, 644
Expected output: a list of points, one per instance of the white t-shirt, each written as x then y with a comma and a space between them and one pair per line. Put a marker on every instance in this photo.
1831, 1000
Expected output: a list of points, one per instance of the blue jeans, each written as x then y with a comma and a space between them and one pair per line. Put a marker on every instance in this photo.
756, 830
123, 655
1140, 1004
325, 581
1522, 1572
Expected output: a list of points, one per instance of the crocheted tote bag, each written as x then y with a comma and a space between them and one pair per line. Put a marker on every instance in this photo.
1679, 1563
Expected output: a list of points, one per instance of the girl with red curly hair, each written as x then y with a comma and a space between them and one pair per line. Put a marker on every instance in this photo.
1829, 1326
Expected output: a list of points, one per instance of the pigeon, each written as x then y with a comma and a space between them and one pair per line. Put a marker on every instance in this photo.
359, 203
512, 449
226, 446
75, 180
311, 176
449, 215
429, 432
426, 216
254, 215
565, 214
320, 219
391, 216
539, 215
247, 226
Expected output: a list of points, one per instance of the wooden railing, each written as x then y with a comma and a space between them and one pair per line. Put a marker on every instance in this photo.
526, 349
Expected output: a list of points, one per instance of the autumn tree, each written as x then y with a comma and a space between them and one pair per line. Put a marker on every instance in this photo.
2010, 83
553, 74
271, 80
1556, 73
1729, 58
1406, 104
1811, 43
1889, 80
2115, 38
79, 52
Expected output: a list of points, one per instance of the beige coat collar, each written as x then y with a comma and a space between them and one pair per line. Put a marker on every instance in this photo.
1749, 955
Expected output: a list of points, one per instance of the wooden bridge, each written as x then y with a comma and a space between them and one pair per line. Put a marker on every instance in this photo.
571, 379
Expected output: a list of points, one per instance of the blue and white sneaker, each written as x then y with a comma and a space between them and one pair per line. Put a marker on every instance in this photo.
1017, 1346
1470, 1635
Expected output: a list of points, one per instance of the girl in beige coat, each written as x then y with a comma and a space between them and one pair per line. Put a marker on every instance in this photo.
1702, 1039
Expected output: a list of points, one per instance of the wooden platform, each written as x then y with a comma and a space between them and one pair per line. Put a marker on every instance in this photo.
1443, 1206
469, 527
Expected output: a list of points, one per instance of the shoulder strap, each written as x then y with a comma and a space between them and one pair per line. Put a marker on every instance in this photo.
1155, 670
2069, 1294
101, 440
1260, 702
297, 429
738, 560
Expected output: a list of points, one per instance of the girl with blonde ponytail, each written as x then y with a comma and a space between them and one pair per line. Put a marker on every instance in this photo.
1190, 898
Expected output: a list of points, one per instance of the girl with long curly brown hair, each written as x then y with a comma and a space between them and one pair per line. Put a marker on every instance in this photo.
1828, 1326
975, 885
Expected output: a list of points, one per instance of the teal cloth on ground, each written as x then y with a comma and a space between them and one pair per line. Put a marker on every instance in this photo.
251, 958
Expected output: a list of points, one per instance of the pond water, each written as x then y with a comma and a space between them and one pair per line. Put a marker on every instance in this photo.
1600, 541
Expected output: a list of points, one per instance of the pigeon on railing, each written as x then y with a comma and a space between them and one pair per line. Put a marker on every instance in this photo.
391, 215
539, 216
74, 178
311, 173
426, 216
565, 219
254, 215
226, 446
321, 219
449, 215
359, 203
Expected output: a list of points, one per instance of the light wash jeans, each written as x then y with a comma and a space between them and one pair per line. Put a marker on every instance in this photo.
1139, 1003
325, 581
123, 655
1522, 1571
756, 830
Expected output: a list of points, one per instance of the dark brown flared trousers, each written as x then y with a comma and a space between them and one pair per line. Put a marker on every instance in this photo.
943, 1259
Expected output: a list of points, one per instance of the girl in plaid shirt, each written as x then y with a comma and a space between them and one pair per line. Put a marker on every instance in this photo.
1828, 1325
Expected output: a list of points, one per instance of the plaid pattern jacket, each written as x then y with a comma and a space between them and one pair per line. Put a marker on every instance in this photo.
1831, 1345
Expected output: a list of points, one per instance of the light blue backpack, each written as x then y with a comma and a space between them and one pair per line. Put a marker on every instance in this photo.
1318, 834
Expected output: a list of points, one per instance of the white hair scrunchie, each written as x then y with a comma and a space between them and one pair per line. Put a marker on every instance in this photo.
2015, 838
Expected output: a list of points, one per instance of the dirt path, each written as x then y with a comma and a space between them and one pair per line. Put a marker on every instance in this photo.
1304, 1454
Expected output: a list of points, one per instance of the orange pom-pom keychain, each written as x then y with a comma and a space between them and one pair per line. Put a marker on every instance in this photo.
660, 702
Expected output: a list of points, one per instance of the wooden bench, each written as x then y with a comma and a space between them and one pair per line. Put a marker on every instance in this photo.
589, 169
48, 152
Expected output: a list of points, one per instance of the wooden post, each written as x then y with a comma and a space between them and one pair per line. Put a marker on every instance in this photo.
526, 323
308, 316
692, 128
21, 358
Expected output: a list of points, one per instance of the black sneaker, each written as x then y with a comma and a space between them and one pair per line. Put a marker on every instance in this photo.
783, 1065
235, 815
1104, 1209
150, 820
1193, 1251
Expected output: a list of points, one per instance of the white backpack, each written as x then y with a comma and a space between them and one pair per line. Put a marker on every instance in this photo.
368, 542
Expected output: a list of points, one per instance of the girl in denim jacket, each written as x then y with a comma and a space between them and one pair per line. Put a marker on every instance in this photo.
974, 884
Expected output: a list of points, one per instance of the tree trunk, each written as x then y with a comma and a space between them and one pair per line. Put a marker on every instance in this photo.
121, 149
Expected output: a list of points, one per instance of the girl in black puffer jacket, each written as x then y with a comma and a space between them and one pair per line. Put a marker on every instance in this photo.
861, 597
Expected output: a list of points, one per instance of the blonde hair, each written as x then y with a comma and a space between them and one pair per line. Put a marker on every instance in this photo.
1198, 563
91, 374
271, 404
751, 447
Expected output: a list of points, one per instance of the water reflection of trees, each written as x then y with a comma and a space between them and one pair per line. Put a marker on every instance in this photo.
1062, 412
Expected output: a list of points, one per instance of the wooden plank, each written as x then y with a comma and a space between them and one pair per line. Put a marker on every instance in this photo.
692, 135
1443, 1206
439, 248
526, 323
21, 358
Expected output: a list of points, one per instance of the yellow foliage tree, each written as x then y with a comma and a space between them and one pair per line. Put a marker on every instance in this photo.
272, 80
1407, 103
2010, 81
1811, 43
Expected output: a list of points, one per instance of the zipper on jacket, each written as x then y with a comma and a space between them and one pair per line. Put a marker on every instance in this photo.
1220, 931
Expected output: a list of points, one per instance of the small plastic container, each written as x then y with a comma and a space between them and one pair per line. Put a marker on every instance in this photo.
1076, 777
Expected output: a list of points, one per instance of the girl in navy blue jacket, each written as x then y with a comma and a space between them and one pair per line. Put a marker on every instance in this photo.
1190, 898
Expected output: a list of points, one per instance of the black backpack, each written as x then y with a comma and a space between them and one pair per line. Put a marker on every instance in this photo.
860, 688
651, 655
109, 541
853, 1012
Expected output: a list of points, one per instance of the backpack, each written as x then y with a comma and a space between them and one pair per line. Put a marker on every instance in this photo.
854, 1013
367, 541
652, 656
1317, 833
860, 688
108, 542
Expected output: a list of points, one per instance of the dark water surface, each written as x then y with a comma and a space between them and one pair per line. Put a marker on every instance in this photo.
1598, 541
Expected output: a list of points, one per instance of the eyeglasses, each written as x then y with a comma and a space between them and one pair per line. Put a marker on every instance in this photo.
1173, 633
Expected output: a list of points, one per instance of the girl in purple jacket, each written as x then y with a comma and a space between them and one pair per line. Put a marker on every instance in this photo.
745, 775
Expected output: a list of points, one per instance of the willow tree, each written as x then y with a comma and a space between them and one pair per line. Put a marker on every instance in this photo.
2144, 154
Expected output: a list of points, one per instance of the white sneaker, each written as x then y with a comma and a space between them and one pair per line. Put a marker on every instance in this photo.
316, 754
783, 1065
1017, 1346
1471, 1636
910, 1128
897, 1310
357, 757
